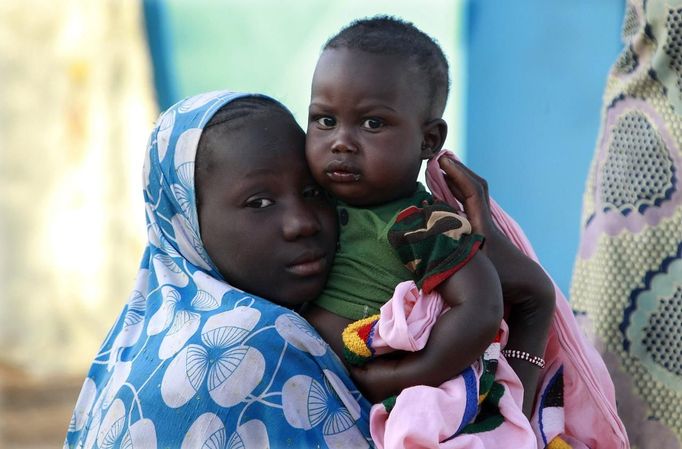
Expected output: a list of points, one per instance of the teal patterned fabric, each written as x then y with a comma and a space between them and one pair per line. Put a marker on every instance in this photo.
192, 362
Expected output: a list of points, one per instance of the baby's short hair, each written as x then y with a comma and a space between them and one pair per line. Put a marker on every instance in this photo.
387, 35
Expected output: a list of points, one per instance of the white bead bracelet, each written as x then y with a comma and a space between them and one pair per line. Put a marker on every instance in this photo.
516, 354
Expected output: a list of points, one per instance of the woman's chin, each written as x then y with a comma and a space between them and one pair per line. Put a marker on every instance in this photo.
296, 297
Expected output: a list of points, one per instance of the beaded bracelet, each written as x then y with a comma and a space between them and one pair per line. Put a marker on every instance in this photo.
516, 354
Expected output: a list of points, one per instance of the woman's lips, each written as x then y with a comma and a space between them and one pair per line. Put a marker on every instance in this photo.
308, 266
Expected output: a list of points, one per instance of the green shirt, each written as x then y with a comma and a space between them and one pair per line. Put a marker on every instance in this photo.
366, 269
414, 238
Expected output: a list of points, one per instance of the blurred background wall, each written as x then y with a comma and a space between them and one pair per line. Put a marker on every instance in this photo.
535, 80
81, 84
76, 106
76, 103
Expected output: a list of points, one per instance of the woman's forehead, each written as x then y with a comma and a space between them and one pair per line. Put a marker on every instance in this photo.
262, 140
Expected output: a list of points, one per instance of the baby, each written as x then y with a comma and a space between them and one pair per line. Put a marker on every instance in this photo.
377, 97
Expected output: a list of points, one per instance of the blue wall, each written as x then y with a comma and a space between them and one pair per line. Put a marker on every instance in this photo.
160, 41
535, 80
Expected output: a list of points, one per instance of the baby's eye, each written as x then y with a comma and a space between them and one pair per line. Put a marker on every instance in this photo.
259, 203
372, 123
326, 121
313, 192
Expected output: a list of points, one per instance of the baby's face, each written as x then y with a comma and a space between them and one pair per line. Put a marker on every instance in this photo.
365, 127
264, 221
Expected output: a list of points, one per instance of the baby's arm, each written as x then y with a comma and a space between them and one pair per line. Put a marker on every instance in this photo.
329, 325
458, 338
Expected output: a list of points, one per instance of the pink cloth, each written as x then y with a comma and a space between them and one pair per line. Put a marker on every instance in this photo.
423, 416
589, 399
427, 417
406, 320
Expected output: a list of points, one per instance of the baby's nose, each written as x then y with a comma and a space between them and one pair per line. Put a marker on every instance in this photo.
344, 143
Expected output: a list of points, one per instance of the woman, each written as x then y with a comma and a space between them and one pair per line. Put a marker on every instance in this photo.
193, 361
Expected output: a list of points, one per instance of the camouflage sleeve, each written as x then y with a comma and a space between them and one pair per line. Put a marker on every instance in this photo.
433, 241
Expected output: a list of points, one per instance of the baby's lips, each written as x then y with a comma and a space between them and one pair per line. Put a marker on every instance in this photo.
340, 171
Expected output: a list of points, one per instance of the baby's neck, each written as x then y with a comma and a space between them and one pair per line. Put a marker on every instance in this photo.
389, 201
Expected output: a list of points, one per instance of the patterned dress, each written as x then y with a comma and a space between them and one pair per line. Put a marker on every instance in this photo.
627, 282
192, 362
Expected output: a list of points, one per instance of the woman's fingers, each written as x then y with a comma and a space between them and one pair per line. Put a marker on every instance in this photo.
466, 179
471, 190
455, 190
462, 181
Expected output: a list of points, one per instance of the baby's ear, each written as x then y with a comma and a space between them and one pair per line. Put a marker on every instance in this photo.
434, 133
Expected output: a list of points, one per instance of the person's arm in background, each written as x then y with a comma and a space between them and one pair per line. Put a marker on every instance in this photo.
526, 289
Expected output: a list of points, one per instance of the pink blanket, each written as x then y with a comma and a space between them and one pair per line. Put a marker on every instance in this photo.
459, 414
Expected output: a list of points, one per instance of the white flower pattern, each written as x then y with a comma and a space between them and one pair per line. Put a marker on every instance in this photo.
231, 370
308, 403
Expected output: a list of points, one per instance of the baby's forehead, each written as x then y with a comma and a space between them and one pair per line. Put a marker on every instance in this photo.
363, 57
353, 63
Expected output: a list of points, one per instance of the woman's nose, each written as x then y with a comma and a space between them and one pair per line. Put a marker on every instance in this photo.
300, 220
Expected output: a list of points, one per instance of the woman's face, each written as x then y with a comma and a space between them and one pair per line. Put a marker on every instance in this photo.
264, 221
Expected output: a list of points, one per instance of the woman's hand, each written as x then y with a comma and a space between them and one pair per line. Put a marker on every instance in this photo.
520, 276
525, 287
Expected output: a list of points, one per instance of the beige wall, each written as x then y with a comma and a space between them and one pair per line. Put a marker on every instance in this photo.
76, 106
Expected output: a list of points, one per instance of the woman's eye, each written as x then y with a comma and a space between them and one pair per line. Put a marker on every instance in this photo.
326, 122
372, 123
259, 203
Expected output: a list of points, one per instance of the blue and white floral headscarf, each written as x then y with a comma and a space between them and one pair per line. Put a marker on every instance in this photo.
195, 363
